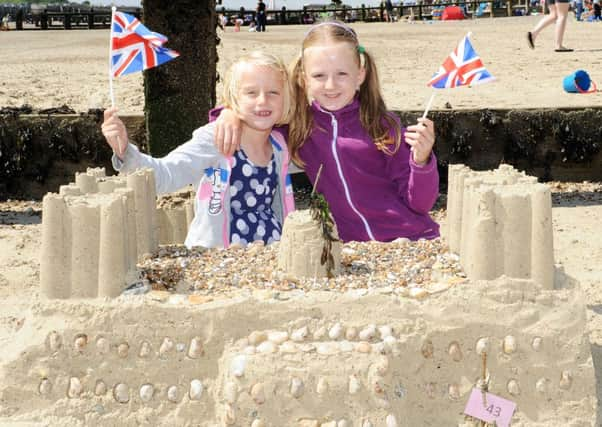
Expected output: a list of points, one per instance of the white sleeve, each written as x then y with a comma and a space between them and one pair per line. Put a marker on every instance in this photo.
181, 167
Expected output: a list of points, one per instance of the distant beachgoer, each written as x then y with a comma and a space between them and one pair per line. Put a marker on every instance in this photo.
5, 20
261, 16
237, 24
389, 10
559, 10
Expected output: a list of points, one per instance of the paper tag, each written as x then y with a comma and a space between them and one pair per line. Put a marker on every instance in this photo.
492, 408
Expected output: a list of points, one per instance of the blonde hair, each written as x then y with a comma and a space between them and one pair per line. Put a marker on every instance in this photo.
375, 118
232, 82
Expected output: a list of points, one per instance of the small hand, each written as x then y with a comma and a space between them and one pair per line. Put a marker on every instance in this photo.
421, 137
227, 132
115, 132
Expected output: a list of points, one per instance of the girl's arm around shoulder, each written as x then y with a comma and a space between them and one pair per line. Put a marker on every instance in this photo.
182, 166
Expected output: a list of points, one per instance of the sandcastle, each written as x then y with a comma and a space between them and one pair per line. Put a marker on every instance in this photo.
364, 357
96, 229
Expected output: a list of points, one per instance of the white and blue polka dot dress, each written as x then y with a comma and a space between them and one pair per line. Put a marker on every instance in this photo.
252, 190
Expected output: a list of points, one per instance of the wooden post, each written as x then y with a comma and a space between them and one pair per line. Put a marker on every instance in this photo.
491, 9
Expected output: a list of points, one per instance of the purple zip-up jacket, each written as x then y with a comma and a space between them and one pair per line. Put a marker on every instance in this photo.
372, 195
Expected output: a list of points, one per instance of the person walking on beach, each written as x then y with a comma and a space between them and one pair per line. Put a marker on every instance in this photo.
261, 16
389, 10
559, 10
239, 199
379, 179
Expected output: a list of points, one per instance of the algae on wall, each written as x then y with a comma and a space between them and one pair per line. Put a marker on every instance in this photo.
179, 94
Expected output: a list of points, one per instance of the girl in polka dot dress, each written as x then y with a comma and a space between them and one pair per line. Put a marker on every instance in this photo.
239, 199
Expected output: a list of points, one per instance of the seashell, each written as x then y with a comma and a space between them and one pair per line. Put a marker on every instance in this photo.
297, 387
385, 331
180, 347
231, 392
513, 387
381, 348
309, 423
196, 389
102, 345
54, 341
249, 350
382, 365
319, 333
278, 337
267, 347
354, 384
363, 347
196, 348
430, 389
351, 333
335, 332
146, 392
322, 386
100, 389
482, 345
123, 350
166, 346
172, 394
427, 349
80, 342
258, 423
327, 348
229, 415
307, 348
329, 424
454, 351
453, 391
145, 349
509, 345
346, 346
391, 421
238, 364
343, 423
121, 393
257, 337
257, 393
566, 380
367, 423
417, 292
390, 341
45, 387
537, 343
367, 333
378, 386
300, 334
288, 347
75, 387
542, 385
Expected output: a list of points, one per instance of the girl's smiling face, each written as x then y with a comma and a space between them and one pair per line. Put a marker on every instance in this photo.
332, 74
260, 96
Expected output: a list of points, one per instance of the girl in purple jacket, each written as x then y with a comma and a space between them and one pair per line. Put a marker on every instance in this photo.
379, 179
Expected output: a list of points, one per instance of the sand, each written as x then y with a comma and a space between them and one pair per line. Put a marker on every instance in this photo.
71, 73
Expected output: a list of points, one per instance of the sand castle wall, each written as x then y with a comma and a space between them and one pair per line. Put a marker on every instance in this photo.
500, 223
318, 359
95, 230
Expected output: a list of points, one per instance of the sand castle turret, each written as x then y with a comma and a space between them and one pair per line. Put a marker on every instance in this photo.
500, 223
96, 229
301, 247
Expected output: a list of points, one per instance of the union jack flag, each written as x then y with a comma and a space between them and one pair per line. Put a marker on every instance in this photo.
134, 47
462, 67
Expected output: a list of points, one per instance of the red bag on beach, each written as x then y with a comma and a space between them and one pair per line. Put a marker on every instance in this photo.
452, 13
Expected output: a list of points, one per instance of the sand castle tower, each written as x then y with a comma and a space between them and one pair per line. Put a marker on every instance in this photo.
500, 223
96, 229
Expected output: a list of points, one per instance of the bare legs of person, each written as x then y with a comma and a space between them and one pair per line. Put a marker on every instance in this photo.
558, 14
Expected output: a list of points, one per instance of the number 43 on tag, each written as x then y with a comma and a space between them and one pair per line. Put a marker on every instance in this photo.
492, 408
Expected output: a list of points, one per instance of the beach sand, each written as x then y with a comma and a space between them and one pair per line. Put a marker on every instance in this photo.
49, 69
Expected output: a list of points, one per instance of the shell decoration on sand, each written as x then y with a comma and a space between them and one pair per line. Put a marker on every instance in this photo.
100, 389
453, 391
297, 387
278, 337
351, 333
427, 349
102, 345
482, 345
146, 392
537, 343
231, 392
229, 415
145, 349
123, 350
54, 341
542, 385
300, 334
513, 387
172, 394
391, 421
121, 393
258, 423
196, 348
509, 344
322, 386
238, 365
258, 393
166, 347
566, 380
454, 351
75, 387
257, 337
196, 390
335, 332
80, 342
367, 333
354, 384
45, 387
